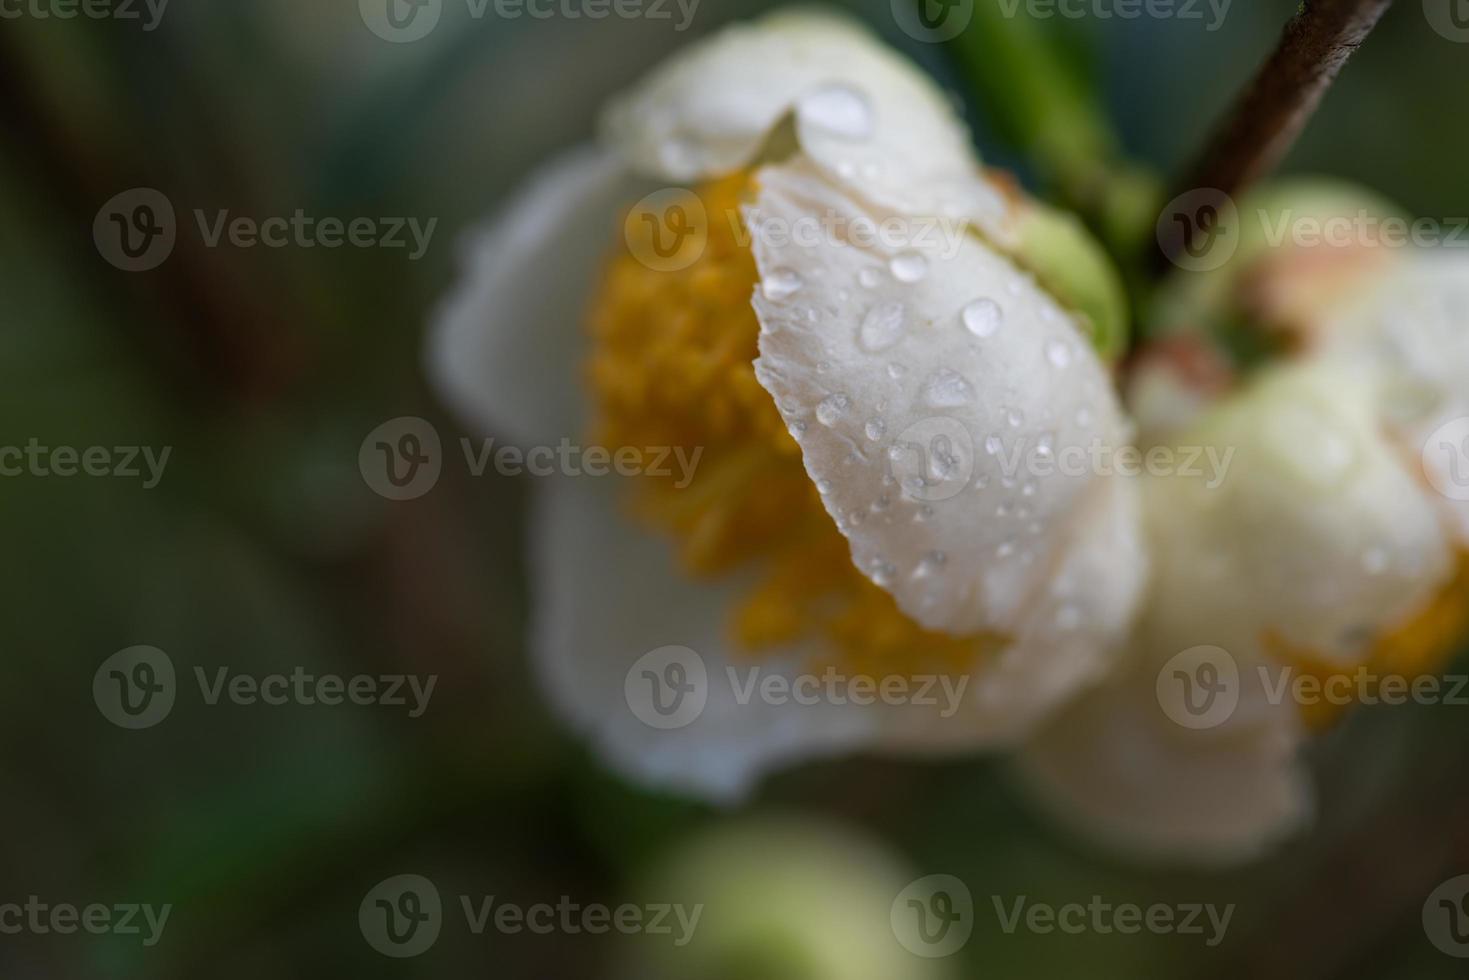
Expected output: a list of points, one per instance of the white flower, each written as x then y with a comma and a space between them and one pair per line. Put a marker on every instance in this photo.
882, 424
918, 376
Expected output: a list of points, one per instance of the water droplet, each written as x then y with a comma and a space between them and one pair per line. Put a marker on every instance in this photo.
1084, 417
946, 388
782, 283
839, 110
1058, 352
993, 446
982, 317
875, 429
1014, 417
908, 267
896, 370
1005, 550
881, 573
869, 278
823, 487
930, 564
833, 409
883, 326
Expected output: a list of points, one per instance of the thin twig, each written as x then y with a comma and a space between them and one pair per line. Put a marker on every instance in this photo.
1266, 120
1269, 116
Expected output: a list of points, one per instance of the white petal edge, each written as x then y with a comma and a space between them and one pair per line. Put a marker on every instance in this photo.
1317, 533
608, 592
865, 114
505, 349
1115, 769
954, 463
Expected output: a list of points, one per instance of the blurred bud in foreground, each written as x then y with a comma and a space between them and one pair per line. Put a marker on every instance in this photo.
782, 899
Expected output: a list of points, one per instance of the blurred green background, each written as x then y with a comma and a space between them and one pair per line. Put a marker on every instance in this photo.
262, 548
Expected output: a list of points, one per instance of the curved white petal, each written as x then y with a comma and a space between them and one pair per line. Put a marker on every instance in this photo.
1303, 523
950, 410
1413, 335
504, 351
1302, 534
868, 118
609, 593
1117, 768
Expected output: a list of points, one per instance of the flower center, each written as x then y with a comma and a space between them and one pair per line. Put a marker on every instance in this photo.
672, 367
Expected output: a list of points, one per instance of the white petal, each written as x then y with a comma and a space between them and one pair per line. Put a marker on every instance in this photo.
1118, 769
1413, 334
947, 403
868, 117
505, 350
1314, 532
609, 593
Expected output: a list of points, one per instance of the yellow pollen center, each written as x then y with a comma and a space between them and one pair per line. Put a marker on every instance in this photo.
672, 366
1421, 647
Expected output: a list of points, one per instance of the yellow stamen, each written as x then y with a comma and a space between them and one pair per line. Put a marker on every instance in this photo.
672, 366
1421, 647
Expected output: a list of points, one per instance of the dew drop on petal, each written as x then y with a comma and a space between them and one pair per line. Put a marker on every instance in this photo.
982, 317
896, 370
946, 388
875, 429
1058, 352
833, 409
838, 110
882, 327
869, 278
908, 267
782, 283
930, 564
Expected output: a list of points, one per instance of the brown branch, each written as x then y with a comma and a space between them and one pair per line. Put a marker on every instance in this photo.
1269, 116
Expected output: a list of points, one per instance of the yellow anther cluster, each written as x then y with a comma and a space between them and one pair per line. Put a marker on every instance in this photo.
672, 366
